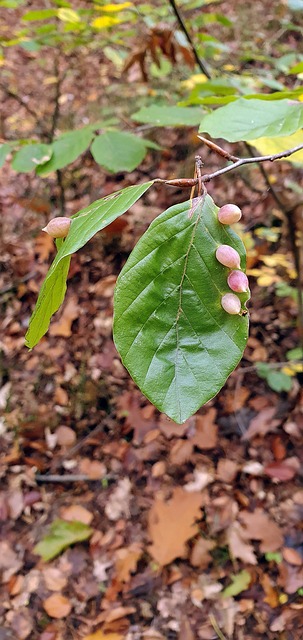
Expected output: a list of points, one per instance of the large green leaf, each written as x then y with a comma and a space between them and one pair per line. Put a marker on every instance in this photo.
249, 119
85, 224
169, 327
66, 149
5, 149
61, 535
169, 116
118, 151
31, 156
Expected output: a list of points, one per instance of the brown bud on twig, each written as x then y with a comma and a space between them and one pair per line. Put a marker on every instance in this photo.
228, 256
231, 303
229, 214
238, 281
58, 227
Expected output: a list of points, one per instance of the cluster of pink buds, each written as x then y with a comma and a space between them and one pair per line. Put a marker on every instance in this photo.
229, 257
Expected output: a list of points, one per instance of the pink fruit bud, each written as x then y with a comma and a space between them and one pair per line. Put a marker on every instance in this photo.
231, 303
238, 281
58, 227
229, 214
228, 256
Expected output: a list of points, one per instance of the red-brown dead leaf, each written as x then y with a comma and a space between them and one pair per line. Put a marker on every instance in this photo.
238, 546
57, 606
263, 423
44, 247
271, 594
292, 556
200, 556
127, 560
63, 326
181, 452
280, 471
66, 436
206, 431
291, 577
235, 402
259, 526
171, 524
76, 512
227, 470
54, 579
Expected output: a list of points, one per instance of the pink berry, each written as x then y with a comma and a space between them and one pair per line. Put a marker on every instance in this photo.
228, 256
58, 227
238, 281
231, 303
229, 214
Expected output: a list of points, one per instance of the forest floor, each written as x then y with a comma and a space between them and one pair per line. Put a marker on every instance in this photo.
189, 531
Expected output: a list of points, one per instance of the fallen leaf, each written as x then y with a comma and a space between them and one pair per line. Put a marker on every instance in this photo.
171, 524
259, 526
238, 546
292, 556
202, 477
263, 423
54, 579
127, 560
271, 594
57, 606
92, 468
206, 431
66, 436
9, 562
21, 622
61, 535
199, 555
76, 512
291, 577
240, 582
185, 632
118, 502
280, 471
227, 470
101, 635
181, 452
63, 326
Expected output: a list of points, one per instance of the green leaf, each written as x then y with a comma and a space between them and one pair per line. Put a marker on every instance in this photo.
271, 146
248, 119
5, 149
169, 116
240, 582
67, 149
274, 556
295, 354
42, 14
298, 68
61, 535
31, 156
279, 381
118, 151
172, 334
85, 224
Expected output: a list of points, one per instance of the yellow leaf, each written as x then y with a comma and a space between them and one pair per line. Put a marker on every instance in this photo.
113, 8
100, 635
68, 15
104, 22
197, 78
276, 260
292, 369
271, 146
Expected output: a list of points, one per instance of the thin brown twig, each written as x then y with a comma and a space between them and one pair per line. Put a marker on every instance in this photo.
57, 478
186, 183
201, 64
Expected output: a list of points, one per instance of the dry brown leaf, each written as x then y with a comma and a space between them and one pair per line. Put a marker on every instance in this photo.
127, 560
291, 577
259, 526
292, 556
271, 594
199, 555
9, 562
63, 326
54, 579
238, 546
206, 431
181, 452
61, 396
227, 470
66, 436
185, 632
280, 470
57, 606
101, 635
21, 623
92, 468
235, 401
263, 423
76, 512
171, 524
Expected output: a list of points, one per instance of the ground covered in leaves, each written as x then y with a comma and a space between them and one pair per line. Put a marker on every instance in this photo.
115, 522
